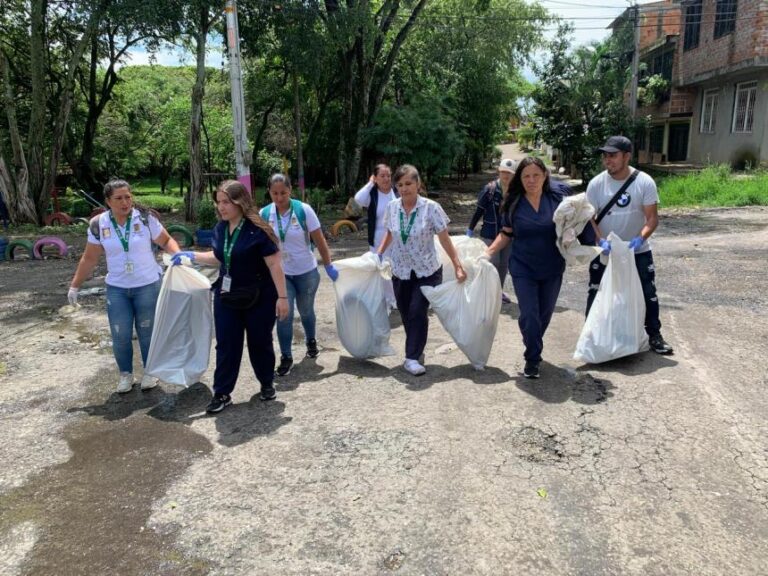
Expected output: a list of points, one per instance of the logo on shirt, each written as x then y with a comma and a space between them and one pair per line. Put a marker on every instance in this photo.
106, 232
136, 227
624, 200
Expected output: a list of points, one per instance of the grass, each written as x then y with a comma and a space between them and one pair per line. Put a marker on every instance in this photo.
715, 186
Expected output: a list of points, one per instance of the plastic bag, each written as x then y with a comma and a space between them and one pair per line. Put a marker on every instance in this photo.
615, 326
467, 249
362, 314
183, 328
570, 218
469, 311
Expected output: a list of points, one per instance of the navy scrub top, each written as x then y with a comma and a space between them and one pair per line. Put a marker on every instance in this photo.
534, 252
248, 267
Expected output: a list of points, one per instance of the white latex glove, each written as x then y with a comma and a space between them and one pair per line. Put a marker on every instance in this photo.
72, 295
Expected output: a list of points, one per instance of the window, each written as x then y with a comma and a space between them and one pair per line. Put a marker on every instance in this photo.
657, 139
725, 17
744, 107
692, 25
709, 111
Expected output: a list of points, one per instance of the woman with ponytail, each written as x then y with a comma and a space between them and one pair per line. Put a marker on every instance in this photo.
249, 295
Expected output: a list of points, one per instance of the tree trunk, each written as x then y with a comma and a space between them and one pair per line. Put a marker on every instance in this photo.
35, 160
196, 181
297, 130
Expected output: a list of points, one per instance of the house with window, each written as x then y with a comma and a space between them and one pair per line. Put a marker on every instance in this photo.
724, 61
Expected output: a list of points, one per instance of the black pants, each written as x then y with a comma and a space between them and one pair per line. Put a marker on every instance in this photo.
256, 324
413, 308
647, 273
536, 300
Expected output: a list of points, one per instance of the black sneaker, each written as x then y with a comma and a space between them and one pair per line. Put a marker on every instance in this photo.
267, 394
312, 350
658, 345
219, 402
286, 362
531, 369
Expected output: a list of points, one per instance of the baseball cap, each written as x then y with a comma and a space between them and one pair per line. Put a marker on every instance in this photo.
507, 165
616, 144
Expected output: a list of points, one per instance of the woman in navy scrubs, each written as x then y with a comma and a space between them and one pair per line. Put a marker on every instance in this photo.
535, 264
249, 294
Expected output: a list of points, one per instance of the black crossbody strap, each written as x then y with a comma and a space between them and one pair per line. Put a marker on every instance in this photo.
616, 196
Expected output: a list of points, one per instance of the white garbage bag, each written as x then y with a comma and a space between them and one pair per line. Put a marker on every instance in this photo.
362, 314
466, 247
469, 311
183, 328
615, 326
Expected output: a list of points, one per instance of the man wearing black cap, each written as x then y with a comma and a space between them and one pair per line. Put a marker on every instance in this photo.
633, 217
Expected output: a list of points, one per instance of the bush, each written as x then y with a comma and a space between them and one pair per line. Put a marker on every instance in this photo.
206, 215
161, 203
76, 207
316, 198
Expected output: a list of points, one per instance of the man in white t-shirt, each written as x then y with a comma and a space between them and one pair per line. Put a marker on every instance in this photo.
633, 217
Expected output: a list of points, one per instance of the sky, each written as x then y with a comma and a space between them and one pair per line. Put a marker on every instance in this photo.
590, 19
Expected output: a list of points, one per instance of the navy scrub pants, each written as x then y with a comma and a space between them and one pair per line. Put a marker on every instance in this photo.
413, 308
536, 300
647, 272
232, 325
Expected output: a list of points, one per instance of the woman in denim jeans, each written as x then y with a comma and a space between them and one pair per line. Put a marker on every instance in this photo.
297, 228
125, 234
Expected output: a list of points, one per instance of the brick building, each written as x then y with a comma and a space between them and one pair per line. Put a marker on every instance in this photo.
724, 61
714, 56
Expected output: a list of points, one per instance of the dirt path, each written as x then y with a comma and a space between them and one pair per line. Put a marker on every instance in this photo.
646, 465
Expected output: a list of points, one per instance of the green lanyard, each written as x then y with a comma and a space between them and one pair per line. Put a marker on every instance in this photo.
406, 232
280, 230
229, 244
123, 239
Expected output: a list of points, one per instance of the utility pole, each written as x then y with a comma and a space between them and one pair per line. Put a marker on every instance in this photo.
635, 61
243, 154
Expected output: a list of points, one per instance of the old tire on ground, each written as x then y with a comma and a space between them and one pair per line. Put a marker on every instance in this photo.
13, 244
340, 225
81, 221
37, 249
189, 239
57, 219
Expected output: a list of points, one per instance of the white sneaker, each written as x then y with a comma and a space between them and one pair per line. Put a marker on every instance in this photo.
414, 367
126, 383
148, 382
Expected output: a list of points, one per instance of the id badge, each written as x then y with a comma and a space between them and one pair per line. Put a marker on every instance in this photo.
284, 253
226, 283
129, 267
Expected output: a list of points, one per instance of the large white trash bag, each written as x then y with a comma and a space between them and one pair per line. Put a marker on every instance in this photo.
183, 328
467, 248
469, 311
615, 326
362, 314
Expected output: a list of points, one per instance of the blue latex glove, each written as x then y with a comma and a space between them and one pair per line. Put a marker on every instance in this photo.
333, 274
470, 233
635, 243
381, 258
176, 258
605, 245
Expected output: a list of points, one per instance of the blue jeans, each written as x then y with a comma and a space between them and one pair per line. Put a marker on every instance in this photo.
127, 307
301, 290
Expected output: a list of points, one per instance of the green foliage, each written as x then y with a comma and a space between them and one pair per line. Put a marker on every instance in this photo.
714, 186
422, 134
316, 197
161, 203
206, 215
526, 136
654, 91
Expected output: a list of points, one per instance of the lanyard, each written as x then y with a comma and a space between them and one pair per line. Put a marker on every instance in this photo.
406, 232
229, 244
280, 230
123, 238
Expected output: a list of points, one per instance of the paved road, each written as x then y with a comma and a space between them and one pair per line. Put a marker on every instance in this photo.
645, 466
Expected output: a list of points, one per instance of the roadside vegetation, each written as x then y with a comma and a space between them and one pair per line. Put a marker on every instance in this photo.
714, 186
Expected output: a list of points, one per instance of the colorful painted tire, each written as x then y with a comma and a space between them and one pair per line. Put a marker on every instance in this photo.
57, 219
340, 225
37, 250
13, 244
189, 240
97, 211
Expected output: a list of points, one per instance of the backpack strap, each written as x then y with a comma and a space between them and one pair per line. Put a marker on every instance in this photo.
298, 209
265, 212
